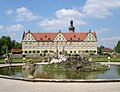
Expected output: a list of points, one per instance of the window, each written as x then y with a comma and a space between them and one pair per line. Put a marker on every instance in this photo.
30, 42
74, 46
28, 38
28, 35
78, 39
38, 45
48, 38
43, 45
70, 46
25, 42
40, 38
25, 47
29, 47
70, 38
34, 47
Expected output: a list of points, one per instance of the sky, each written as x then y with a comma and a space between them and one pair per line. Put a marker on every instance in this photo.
101, 16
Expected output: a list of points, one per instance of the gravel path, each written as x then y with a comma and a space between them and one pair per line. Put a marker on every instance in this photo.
7, 85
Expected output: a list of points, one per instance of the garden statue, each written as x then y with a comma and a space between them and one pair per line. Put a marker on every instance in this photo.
8, 59
30, 68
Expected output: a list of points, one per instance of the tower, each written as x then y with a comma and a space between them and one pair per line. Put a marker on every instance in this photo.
71, 28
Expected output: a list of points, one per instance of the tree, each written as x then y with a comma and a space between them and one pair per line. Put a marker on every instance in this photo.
16, 44
99, 50
4, 49
117, 48
13, 43
6, 40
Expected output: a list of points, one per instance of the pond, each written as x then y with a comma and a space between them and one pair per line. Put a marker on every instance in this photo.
113, 73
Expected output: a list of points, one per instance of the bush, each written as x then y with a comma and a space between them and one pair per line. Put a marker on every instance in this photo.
23, 55
25, 51
30, 51
86, 51
33, 51
45, 51
38, 51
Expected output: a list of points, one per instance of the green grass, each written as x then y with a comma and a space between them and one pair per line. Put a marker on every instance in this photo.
94, 58
20, 60
105, 59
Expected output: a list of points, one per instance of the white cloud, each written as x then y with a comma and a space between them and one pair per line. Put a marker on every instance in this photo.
109, 42
63, 16
1, 27
24, 14
110, 39
11, 28
102, 30
100, 8
68, 13
9, 11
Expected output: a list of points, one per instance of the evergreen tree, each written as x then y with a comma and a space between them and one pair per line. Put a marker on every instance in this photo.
117, 48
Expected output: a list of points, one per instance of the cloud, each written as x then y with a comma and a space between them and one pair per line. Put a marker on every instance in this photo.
102, 30
11, 28
100, 8
63, 16
110, 39
68, 13
24, 14
9, 11
109, 42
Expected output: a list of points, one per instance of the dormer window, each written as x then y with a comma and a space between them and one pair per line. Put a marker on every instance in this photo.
48, 38
40, 38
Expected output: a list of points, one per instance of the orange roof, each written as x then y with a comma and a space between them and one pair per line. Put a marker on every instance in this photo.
16, 50
68, 35
75, 36
44, 36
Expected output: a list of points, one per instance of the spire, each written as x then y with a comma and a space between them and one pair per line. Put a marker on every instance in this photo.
71, 28
23, 35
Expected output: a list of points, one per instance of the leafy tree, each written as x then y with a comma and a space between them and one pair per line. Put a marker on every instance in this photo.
13, 43
117, 48
4, 49
16, 44
99, 50
6, 40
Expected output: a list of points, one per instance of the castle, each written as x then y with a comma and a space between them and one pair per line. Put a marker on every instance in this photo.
72, 42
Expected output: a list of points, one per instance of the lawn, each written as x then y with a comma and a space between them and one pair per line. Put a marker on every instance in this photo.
105, 59
20, 60
94, 58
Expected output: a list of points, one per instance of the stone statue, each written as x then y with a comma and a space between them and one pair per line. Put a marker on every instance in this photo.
30, 67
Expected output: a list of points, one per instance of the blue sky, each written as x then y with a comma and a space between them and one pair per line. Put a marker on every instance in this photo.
101, 16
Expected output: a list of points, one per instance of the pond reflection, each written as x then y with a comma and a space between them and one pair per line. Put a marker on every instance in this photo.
113, 73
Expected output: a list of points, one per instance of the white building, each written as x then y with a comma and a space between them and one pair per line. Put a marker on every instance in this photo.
72, 42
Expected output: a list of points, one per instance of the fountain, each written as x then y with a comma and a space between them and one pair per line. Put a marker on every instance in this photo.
65, 68
75, 63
